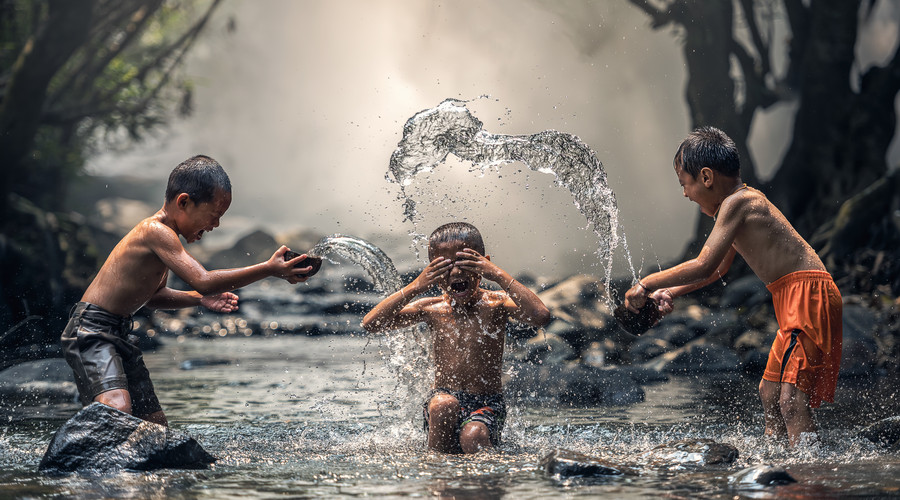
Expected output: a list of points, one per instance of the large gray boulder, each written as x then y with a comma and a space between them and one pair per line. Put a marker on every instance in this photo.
100, 439
44, 381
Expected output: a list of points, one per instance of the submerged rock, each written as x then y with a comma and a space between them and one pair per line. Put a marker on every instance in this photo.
692, 452
885, 432
101, 439
563, 464
764, 475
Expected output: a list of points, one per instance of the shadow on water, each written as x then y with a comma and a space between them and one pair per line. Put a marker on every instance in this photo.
322, 417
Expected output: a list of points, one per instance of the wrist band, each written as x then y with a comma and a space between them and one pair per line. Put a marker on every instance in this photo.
402, 295
644, 287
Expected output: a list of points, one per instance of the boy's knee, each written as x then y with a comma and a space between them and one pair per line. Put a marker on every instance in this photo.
474, 437
116, 398
442, 405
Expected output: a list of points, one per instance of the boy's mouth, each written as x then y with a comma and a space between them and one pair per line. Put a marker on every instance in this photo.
459, 287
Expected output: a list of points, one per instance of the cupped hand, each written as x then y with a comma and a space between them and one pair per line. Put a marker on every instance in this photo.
635, 298
432, 273
474, 262
665, 300
225, 302
285, 269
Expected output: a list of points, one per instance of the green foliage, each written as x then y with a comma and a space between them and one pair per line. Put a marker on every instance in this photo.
123, 81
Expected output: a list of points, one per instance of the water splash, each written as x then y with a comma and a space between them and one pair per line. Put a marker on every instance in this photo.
409, 348
430, 135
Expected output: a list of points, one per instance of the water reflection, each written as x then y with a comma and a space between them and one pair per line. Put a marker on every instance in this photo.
321, 417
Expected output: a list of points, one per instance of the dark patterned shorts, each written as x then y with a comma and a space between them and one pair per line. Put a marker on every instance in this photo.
489, 409
95, 344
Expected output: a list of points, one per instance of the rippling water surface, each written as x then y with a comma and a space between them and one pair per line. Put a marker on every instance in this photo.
324, 417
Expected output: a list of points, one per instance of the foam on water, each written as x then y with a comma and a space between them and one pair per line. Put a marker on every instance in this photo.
431, 135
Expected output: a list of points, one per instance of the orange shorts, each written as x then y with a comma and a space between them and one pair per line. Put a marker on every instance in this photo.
807, 348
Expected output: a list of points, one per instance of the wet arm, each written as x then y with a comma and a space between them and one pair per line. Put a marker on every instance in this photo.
169, 298
168, 247
720, 271
528, 307
393, 312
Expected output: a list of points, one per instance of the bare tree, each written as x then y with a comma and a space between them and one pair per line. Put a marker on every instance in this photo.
845, 118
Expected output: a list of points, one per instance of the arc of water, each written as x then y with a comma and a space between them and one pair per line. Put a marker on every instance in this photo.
410, 348
430, 135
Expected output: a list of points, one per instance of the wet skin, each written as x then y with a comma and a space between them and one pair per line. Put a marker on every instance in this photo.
746, 222
136, 271
468, 324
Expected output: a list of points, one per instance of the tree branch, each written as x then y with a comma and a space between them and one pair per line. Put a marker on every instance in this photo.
658, 17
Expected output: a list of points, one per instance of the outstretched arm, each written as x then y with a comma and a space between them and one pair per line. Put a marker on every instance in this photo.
165, 243
395, 311
714, 260
523, 304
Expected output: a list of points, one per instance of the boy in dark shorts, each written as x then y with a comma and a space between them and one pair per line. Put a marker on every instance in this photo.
108, 367
804, 360
465, 409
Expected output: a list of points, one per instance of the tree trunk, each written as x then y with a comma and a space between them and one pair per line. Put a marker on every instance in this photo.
818, 171
62, 33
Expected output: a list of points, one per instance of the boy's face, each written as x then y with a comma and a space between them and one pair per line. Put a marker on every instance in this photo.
459, 284
199, 218
697, 190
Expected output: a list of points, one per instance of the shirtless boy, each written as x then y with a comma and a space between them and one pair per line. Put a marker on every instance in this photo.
803, 364
110, 369
465, 410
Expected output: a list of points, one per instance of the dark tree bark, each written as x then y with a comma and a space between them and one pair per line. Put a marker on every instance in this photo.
840, 135
65, 30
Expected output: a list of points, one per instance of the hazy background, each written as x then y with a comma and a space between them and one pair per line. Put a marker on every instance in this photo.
303, 102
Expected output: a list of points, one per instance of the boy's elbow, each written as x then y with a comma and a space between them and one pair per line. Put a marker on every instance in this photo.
542, 317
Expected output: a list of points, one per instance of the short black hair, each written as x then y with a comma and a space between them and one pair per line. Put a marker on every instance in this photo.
200, 177
708, 147
456, 231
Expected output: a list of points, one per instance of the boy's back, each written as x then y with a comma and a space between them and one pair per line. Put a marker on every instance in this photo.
763, 236
133, 272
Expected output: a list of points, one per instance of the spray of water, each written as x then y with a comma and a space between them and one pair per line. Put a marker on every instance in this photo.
430, 135
409, 348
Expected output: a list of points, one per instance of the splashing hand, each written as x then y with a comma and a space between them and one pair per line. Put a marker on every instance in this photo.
285, 269
664, 299
225, 302
475, 263
431, 274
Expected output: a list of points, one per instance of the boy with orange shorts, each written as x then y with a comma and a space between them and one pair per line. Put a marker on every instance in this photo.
803, 364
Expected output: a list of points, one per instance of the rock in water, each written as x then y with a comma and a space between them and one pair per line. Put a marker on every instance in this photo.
885, 432
765, 475
693, 452
564, 464
101, 439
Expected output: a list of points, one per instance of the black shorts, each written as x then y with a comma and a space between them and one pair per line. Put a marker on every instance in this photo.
489, 409
95, 344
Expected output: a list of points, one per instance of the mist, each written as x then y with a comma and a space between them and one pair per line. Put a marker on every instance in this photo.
303, 103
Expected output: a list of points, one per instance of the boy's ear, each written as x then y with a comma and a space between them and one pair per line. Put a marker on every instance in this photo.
706, 176
181, 200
